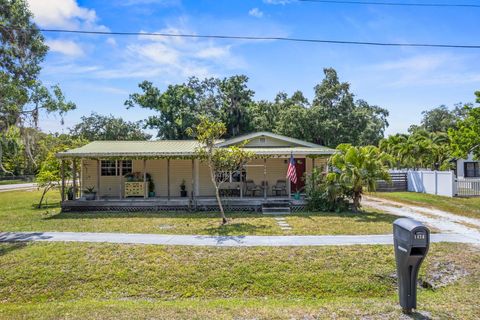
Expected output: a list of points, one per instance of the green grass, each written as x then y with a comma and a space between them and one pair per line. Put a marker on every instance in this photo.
107, 281
18, 213
469, 207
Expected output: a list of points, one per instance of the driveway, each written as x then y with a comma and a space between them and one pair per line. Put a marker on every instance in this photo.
17, 186
218, 241
445, 222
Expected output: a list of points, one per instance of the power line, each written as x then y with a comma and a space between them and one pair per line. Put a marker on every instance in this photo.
398, 4
263, 38
255, 38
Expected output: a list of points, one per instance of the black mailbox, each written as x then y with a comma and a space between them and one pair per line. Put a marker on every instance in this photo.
411, 240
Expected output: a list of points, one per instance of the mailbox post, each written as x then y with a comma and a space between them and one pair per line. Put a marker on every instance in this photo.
411, 241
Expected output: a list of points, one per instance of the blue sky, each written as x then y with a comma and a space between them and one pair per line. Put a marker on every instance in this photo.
99, 72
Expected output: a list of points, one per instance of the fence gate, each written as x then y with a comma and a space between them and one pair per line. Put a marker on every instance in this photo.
468, 187
398, 183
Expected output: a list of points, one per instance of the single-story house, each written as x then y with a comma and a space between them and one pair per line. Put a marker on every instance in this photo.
467, 168
165, 174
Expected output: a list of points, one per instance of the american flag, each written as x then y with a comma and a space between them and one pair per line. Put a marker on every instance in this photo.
292, 171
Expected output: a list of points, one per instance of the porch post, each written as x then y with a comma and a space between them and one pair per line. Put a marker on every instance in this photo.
168, 178
265, 186
289, 187
74, 177
197, 177
193, 179
62, 173
120, 184
313, 168
99, 173
145, 193
81, 178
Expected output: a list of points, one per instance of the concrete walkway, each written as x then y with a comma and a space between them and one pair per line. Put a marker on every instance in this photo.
218, 241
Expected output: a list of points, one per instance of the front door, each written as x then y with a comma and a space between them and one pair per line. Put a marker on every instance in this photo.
300, 166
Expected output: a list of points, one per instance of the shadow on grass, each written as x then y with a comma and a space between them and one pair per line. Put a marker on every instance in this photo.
179, 215
363, 216
235, 228
9, 247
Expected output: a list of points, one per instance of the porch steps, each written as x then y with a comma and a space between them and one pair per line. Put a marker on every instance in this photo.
276, 207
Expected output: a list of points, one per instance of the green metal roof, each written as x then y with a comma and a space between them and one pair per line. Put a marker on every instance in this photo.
172, 148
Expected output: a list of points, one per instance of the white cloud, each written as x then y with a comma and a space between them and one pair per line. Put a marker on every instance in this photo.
66, 47
427, 70
282, 2
172, 57
255, 12
111, 41
64, 14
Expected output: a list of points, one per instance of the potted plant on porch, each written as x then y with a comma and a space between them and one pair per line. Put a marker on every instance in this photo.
151, 186
183, 189
90, 193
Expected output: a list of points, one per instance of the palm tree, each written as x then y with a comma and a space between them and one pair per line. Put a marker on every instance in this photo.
359, 168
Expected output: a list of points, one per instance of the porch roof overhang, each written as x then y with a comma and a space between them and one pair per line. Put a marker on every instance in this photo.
172, 148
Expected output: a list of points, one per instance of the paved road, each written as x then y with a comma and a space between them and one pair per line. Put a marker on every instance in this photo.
17, 186
218, 241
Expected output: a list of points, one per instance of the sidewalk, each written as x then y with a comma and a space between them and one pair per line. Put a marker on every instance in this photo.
218, 241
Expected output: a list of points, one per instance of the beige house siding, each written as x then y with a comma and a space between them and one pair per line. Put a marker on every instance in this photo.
267, 142
180, 170
158, 170
205, 186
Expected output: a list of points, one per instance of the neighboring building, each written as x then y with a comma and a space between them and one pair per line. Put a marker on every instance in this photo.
120, 173
468, 168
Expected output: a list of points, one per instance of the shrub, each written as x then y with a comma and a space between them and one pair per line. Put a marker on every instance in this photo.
326, 193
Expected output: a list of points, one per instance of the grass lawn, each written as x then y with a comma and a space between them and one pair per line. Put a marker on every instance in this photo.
107, 281
469, 207
17, 213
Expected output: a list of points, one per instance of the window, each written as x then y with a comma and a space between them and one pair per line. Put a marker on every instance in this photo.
109, 167
112, 167
126, 166
471, 169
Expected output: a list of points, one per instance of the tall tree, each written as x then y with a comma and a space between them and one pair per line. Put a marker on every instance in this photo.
175, 107
440, 119
465, 137
22, 95
99, 127
237, 99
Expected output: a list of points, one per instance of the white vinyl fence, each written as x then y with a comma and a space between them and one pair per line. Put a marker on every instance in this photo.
441, 183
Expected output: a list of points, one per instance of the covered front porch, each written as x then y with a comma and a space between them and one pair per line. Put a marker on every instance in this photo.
180, 184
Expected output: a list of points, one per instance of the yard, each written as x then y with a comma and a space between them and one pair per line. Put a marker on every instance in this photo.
469, 207
18, 213
107, 281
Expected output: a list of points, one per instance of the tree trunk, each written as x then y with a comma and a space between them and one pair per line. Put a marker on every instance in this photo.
357, 197
222, 213
217, 195
45, 190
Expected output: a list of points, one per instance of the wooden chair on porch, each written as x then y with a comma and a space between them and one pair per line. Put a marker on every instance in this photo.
280, 187
251, 188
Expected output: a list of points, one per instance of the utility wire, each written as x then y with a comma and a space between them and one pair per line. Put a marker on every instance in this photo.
263, 38
256, 38
399, 4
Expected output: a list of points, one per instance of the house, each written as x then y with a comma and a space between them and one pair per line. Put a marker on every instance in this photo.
467, 168
165, 175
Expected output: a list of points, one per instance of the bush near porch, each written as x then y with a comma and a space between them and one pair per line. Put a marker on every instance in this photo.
18, 214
